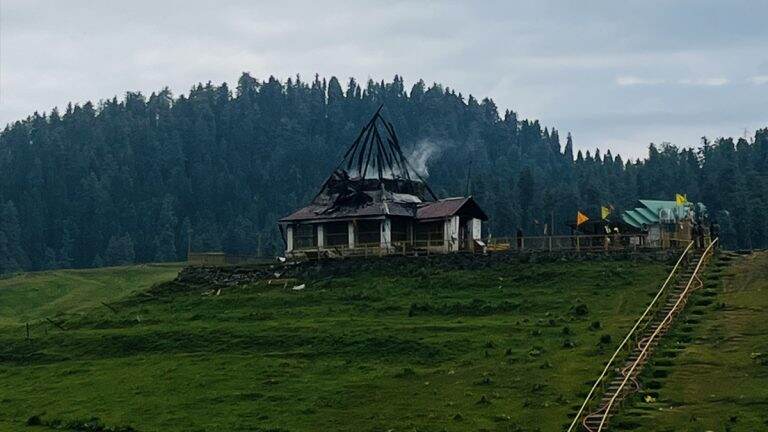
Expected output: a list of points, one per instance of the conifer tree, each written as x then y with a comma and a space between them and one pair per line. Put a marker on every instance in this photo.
128, 179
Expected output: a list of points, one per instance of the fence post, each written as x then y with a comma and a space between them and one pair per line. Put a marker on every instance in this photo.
577, 243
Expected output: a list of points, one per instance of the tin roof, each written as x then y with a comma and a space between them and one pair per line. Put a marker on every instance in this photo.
651, 212
450, 207
370, 210
635, 218
422, 211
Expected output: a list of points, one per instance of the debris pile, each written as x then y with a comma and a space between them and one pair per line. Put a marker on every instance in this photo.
292, 273
225, 276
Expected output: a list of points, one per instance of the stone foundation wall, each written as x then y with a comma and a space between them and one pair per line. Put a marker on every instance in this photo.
400, 265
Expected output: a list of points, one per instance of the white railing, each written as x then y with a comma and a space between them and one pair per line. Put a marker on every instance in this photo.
605, 242
667, 319
629, 335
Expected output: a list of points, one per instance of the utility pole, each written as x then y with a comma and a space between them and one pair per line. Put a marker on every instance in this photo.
469, 174
552, 223
189, 240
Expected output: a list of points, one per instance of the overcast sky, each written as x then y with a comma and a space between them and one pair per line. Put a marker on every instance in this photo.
616, 74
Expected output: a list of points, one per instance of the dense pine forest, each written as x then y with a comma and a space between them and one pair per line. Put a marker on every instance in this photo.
138, 179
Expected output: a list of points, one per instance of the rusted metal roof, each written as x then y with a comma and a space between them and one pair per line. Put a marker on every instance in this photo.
371, 210
430, 210
450, 207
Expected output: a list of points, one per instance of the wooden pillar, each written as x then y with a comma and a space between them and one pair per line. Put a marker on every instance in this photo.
351, 234
451, 234
320, 236
386, 234
289, 239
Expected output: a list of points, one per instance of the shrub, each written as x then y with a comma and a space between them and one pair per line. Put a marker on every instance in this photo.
406, 373
486, 380
579, 310
483, 401
475, 307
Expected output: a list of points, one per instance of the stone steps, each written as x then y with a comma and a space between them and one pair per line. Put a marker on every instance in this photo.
592, 421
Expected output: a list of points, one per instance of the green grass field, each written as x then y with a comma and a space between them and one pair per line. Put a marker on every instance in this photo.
711, 373
34, 296
507, 348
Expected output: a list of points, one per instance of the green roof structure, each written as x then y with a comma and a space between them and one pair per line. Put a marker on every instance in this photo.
636, 219
648, 214
651, 212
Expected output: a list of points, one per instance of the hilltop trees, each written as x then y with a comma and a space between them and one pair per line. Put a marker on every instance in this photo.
135, 180
119, 251
12, 255
165, 243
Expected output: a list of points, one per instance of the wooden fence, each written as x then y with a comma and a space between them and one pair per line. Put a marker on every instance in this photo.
223, 259
575, 243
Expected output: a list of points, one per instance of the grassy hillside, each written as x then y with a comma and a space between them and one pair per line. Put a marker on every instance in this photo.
33, 296
712, 370
507, 348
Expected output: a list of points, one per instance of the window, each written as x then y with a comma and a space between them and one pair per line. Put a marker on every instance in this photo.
400, 230
304, 236
368, 232
336, 234
429, 231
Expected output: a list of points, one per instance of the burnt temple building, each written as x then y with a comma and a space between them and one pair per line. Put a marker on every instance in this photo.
374, 202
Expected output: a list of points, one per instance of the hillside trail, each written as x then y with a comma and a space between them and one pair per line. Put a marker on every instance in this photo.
647, 333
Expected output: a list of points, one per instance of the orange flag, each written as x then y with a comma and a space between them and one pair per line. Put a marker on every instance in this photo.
581, 218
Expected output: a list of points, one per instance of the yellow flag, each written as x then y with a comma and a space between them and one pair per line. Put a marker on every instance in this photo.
681, 199
581, 218
605, 212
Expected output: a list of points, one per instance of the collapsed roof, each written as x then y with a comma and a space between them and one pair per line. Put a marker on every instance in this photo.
370, 154
374, 179
423, 211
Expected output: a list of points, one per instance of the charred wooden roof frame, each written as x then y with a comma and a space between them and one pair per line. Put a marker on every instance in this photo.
394, 188
369, 150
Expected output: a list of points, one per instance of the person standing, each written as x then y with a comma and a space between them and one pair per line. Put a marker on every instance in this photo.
714, 231
698, 231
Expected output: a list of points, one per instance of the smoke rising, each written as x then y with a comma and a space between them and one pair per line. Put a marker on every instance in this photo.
421, 154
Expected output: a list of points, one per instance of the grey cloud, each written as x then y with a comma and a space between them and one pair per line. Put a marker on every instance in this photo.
558, 61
